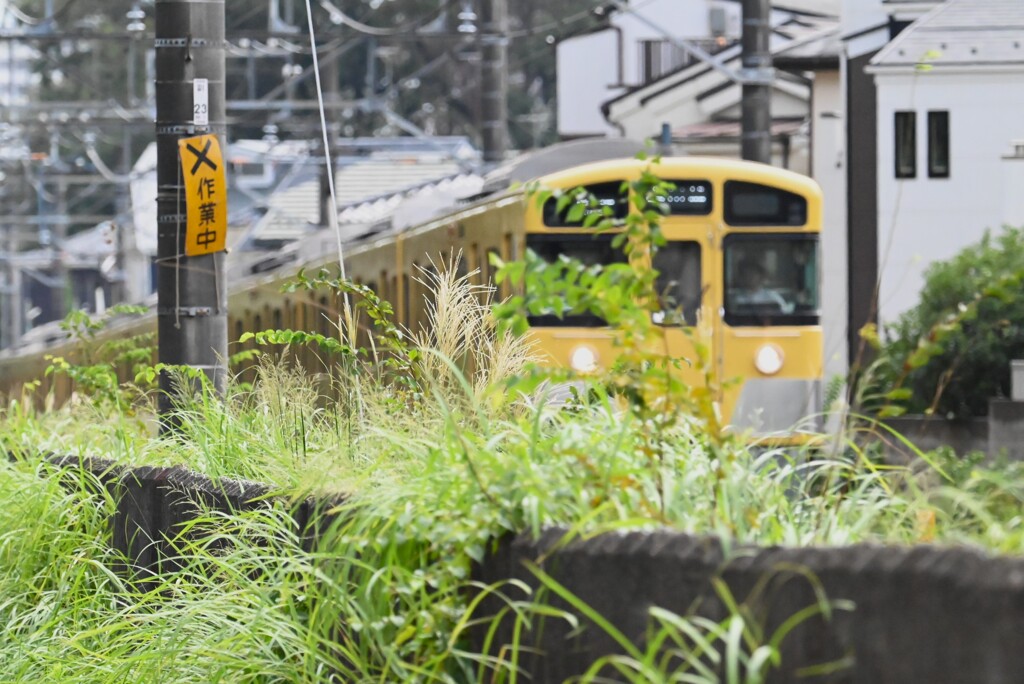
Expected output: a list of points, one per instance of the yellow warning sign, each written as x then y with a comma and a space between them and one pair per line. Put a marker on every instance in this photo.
206, 194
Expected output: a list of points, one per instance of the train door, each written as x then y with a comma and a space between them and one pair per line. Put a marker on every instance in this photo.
683, 285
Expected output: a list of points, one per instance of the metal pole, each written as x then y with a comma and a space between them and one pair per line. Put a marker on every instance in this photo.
494, 80
191, 291
757, 74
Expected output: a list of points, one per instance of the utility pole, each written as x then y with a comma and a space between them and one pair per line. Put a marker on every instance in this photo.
191, 290
494, 80
757, 74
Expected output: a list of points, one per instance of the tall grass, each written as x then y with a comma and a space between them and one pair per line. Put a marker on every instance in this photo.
430, 478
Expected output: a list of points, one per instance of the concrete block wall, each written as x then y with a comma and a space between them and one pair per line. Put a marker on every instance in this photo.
921, 614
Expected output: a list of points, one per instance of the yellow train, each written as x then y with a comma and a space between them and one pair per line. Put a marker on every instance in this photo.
740, 270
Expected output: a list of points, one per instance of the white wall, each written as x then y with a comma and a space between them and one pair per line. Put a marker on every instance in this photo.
1012, 172
587, 70
924, 219
828, 167
688, 19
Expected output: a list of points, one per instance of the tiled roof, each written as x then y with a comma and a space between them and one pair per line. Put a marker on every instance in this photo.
729, 129
367, 189
961, 33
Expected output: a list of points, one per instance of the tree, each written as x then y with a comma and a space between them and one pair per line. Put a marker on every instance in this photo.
951, 353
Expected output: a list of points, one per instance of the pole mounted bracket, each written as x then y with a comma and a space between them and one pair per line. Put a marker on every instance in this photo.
188, 42
186, 311
763, 76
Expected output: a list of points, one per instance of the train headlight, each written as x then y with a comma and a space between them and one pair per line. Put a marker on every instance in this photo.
768, 359
583, 359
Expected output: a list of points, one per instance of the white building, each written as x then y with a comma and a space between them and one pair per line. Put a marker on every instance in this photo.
621, 80
950, 101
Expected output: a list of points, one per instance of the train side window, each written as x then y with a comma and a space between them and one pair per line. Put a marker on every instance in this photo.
323, 318
753, 204
407, 300
461, 265
679, 283
600, 198
489, 268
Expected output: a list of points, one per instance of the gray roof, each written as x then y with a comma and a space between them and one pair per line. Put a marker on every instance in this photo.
558, 157
961, 33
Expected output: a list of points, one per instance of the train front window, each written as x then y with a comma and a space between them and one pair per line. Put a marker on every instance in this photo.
771, 280
589, 249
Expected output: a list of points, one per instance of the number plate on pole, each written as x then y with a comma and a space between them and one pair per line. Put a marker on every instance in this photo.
201, 102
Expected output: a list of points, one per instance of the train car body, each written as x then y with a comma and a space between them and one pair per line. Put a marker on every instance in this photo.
727, 224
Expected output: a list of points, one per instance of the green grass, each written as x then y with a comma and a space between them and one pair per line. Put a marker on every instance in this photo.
432, 473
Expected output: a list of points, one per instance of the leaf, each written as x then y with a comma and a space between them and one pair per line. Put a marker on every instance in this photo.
899, 394
891, 411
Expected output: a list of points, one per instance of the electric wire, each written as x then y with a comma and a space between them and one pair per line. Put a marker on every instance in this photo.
341, 17
35, 21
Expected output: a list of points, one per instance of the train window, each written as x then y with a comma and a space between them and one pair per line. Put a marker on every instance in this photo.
771, 280
406, 312
600, 198
686, 198
753, 204
323, 318
461, 265
489, 268
278, 319
590, 249
679, 283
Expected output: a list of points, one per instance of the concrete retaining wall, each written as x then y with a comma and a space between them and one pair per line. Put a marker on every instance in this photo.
921, 614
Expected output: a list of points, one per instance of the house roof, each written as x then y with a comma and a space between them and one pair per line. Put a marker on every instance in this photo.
960, 33
368, 189
821, 52
795, 34
728, 130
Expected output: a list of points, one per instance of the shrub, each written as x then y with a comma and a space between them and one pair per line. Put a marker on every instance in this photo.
951, 353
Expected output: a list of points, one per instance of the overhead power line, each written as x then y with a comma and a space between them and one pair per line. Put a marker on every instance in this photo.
34, 21
339, 17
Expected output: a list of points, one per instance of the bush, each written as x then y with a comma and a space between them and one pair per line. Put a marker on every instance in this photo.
951, 353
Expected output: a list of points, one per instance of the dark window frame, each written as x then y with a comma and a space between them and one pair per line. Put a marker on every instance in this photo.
601, 190
938, 144
773, 319
689, 312
733, 219
905, 144
675, 210
579, 320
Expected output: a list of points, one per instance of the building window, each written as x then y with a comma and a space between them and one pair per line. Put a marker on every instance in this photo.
906, 145
661, 57
938, 144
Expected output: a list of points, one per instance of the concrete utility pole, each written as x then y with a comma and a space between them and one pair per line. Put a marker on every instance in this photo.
191, 291
757, 74
494, 80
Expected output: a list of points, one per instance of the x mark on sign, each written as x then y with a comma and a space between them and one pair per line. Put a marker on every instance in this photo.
201, 157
